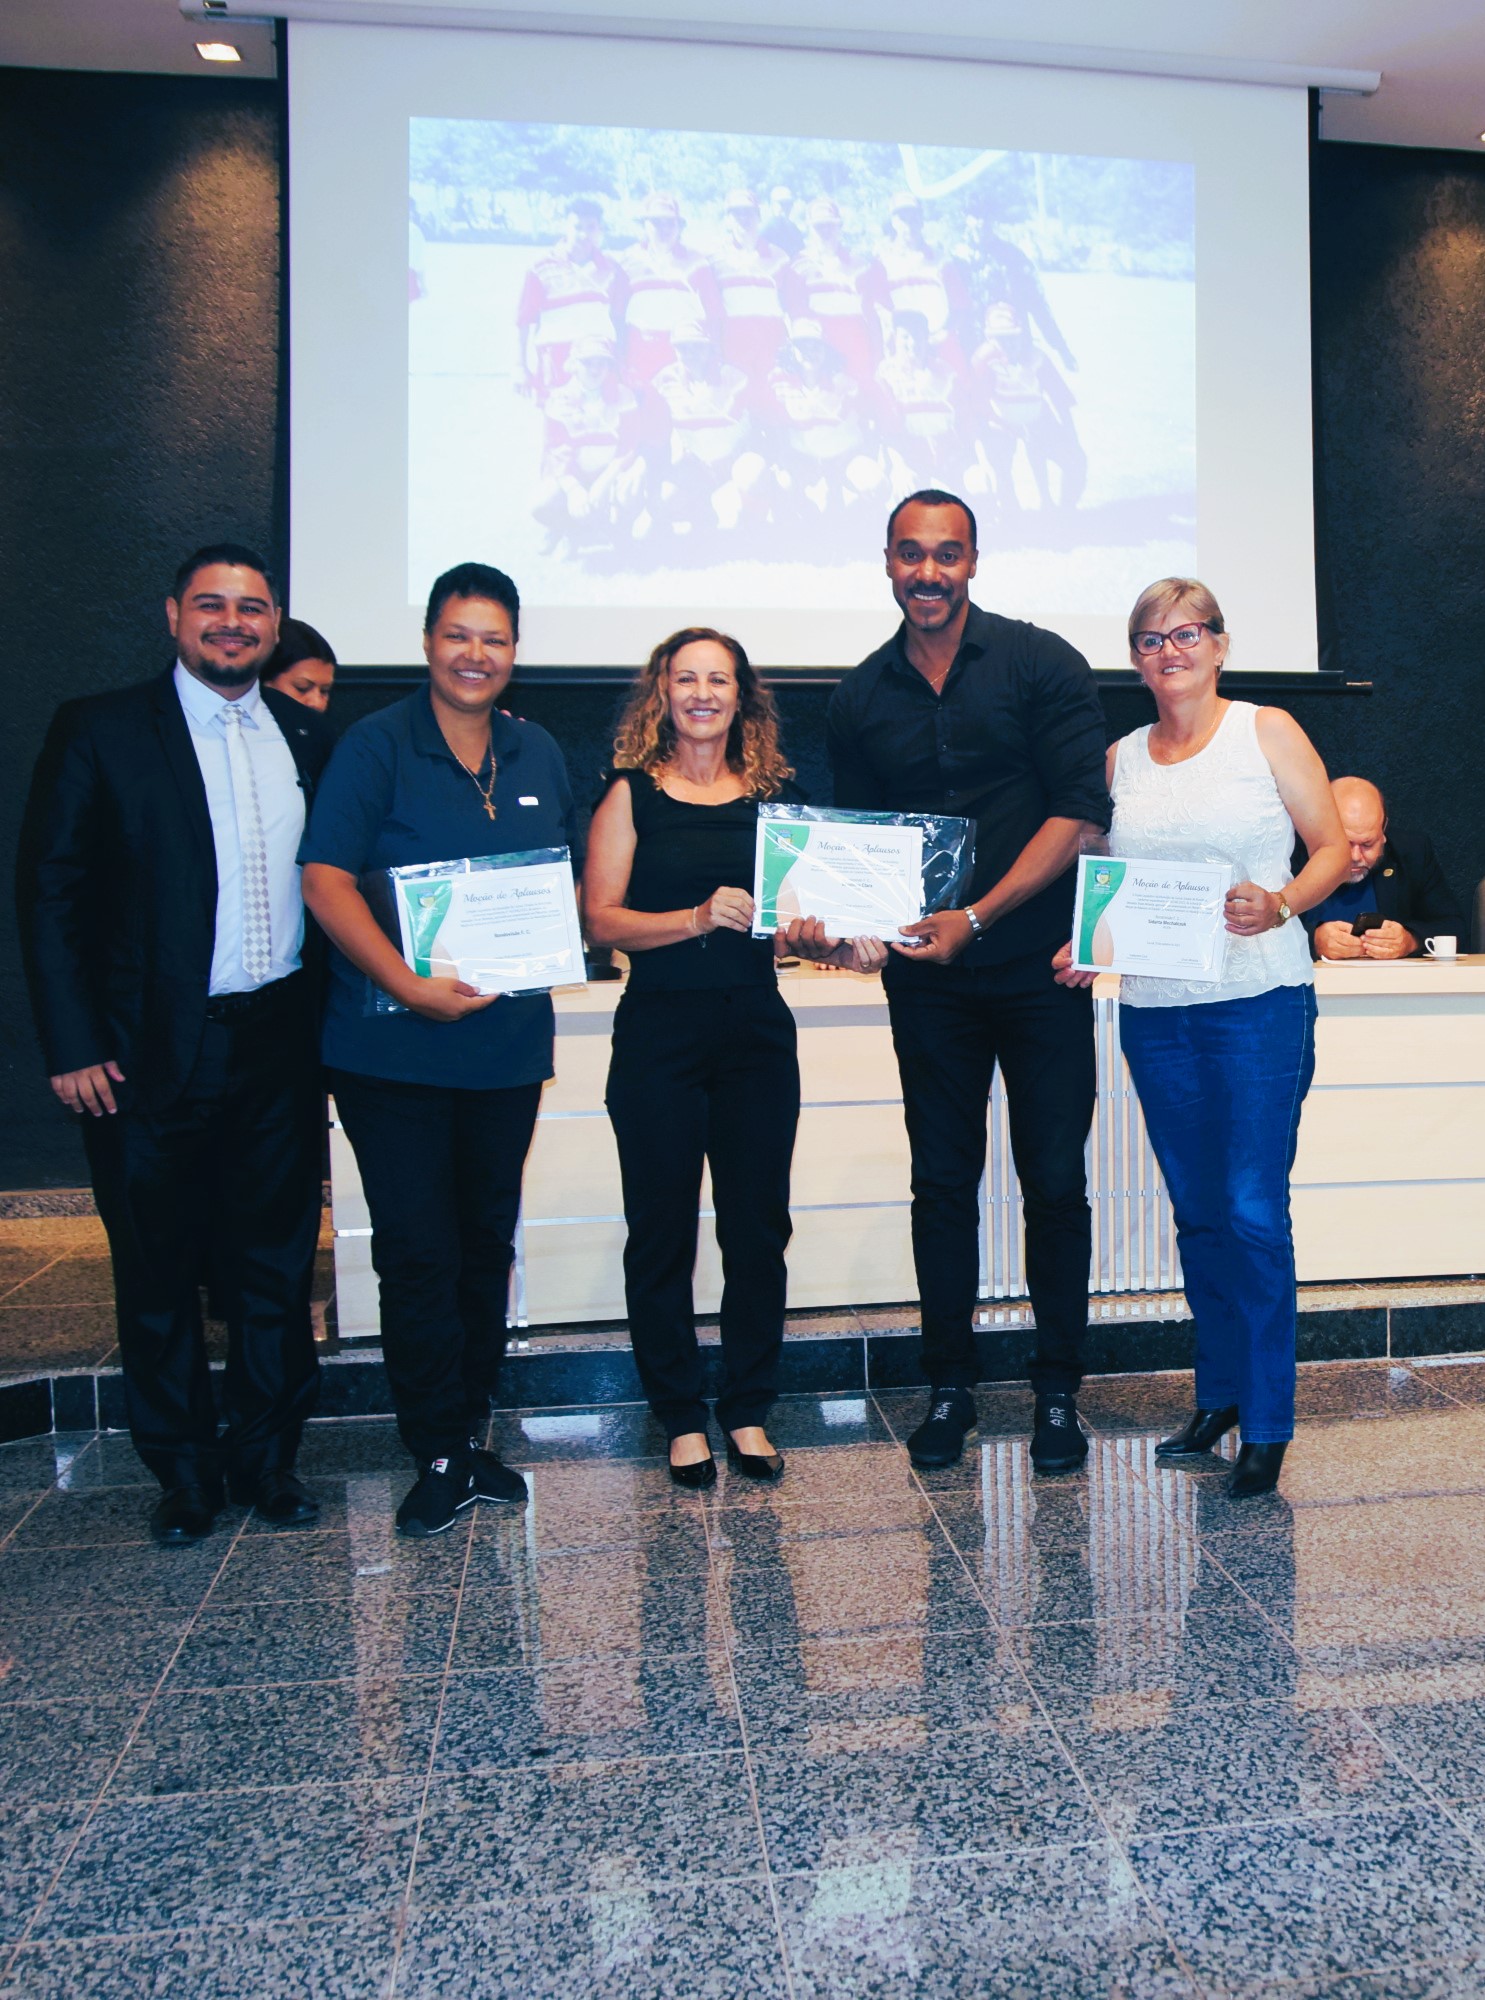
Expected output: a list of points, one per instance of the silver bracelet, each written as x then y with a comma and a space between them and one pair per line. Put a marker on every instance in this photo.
974, 923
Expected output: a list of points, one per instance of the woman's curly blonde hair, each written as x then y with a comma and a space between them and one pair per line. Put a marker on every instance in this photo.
646, 736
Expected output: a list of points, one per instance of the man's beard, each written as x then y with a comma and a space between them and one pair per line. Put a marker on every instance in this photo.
224, 676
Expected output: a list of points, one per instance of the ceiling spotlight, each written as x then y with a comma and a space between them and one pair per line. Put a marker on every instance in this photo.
218, 52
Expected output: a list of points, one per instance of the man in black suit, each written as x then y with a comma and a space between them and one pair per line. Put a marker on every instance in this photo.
1394, 876
163, 935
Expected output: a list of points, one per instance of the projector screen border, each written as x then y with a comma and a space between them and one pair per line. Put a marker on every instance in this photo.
816, 36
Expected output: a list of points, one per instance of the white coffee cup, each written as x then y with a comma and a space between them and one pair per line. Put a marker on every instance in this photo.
1441, 947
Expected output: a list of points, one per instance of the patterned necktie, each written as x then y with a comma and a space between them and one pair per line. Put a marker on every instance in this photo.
257, 927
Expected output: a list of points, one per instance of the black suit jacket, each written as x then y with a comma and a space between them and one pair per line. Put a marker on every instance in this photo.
117, 883
1408, 886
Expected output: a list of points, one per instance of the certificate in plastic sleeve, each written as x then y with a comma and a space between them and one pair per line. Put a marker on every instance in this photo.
863, 874
504, 923
859, 880
1157, 919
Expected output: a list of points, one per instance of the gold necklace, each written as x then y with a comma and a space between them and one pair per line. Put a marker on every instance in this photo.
1197, 748
486, 792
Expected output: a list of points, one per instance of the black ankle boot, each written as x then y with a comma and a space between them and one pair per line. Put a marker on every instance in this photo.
1257, 1470
1203, 1429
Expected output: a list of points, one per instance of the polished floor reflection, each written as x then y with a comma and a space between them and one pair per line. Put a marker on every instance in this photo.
970, 1734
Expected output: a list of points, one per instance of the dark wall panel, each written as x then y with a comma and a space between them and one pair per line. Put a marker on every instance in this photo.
140, 414
139, 280
1399, 316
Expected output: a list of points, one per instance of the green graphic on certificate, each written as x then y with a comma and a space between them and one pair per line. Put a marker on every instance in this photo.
1103, 879
427, 906
783, 843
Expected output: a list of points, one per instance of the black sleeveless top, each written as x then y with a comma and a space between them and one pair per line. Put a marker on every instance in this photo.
682, 853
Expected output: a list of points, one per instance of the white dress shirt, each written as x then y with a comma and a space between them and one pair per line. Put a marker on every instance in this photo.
281, 805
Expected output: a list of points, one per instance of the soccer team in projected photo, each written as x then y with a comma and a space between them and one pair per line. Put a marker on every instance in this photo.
788, 376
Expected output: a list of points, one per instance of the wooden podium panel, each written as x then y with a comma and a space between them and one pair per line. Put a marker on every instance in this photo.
1389, 1181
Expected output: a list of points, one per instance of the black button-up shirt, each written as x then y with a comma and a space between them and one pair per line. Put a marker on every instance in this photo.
1015, 738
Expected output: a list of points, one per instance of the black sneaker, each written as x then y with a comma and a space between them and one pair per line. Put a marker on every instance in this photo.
1057, 1440
494, 1480
444, 1489
939, 1439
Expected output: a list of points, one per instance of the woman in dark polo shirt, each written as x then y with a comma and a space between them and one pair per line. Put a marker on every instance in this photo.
439, 1101
704, 1065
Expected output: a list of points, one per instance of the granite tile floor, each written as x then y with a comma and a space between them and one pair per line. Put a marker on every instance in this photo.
56, 1296
974, 1734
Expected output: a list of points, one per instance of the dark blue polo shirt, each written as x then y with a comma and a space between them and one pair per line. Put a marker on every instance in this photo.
394, 793
1343, 905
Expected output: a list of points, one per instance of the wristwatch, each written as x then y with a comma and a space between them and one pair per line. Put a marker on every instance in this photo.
974, 922
1285, 913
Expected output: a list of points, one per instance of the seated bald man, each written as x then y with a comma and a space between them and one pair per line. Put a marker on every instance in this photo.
1394, 876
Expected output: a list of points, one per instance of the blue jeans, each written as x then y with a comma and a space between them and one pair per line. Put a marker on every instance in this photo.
1221, 1085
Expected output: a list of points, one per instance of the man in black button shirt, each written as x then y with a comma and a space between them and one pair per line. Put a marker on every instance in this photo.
969, 713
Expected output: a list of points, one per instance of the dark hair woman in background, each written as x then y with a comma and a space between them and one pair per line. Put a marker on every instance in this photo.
704, 1064
302, 665
438, 1101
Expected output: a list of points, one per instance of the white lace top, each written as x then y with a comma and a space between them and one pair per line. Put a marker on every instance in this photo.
1220, 805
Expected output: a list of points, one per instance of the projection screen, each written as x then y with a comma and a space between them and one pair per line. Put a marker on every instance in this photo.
665, 330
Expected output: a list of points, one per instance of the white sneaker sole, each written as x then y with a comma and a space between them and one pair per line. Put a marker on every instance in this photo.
427, 1534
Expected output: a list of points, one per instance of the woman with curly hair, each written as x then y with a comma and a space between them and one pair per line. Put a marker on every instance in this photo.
704, 1064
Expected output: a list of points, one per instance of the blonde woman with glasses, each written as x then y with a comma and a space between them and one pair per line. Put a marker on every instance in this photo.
1222, 1068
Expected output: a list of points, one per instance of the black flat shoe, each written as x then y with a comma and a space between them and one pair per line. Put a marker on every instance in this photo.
1257, 1470
700, 1474
766, 1465
282, 1500
1202, 1429
184, 1514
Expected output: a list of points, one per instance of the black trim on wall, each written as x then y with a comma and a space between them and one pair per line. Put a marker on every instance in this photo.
1253, 680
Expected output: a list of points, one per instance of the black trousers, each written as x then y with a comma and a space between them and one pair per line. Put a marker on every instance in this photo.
705, 1075
441, 1169
950, 1025
243, 1142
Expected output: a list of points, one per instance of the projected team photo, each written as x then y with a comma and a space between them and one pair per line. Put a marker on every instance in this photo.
649, 365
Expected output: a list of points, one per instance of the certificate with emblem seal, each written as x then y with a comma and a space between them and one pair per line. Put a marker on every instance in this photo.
1157, 919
